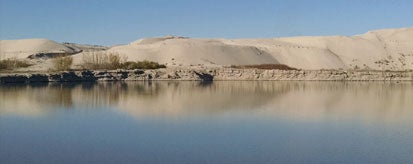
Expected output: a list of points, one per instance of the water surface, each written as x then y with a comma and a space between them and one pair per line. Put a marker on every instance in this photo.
219, 122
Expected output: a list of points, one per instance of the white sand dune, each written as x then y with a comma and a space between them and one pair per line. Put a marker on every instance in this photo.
25, 48
390, 49
185, 51
383, 50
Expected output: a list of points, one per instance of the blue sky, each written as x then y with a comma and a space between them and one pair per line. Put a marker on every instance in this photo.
122, 21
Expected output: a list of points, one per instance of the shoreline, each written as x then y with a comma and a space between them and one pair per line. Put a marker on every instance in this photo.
212, 74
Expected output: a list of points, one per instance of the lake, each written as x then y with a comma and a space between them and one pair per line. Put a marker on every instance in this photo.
218, 122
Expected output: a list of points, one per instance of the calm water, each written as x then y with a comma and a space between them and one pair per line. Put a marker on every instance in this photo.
220, 122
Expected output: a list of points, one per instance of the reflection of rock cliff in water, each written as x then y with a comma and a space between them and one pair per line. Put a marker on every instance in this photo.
290, 100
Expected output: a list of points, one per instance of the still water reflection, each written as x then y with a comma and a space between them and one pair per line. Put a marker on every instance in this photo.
220, 122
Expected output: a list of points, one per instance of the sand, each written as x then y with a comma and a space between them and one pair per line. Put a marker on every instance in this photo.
390, 49
380, 50
22, 49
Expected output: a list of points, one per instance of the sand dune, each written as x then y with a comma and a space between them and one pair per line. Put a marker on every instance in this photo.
382, 50
390, 49
28, 48
185, 52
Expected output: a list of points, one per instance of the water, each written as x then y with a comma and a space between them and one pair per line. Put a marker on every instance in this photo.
219, 122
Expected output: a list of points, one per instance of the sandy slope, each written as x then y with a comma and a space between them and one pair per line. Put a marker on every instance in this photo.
382, 49
184, 51
26, 47
390, 49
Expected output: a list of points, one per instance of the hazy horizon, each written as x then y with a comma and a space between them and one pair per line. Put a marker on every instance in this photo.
120, 22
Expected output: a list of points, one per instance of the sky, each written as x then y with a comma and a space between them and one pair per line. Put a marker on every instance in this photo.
111, 22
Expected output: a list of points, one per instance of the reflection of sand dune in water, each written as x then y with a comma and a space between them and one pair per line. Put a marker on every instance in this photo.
33, 100
187, 98
291, 100
139, 99
329, 100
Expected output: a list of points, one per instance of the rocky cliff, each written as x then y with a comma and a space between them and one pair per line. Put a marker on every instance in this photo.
208, 75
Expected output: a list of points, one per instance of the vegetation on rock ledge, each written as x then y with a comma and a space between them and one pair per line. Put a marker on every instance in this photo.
142, 65
62, 63
112, 61
264, 66
10, 64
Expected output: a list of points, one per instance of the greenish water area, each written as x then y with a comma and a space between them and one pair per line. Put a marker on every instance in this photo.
217, 122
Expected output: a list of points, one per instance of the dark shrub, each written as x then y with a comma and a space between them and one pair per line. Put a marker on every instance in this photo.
142, 65
265, 66
62, 63
9, 64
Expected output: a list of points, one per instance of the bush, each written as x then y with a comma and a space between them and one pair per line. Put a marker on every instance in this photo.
9, 64
142, 65
101, 60
62, 63
110, 61
265, 66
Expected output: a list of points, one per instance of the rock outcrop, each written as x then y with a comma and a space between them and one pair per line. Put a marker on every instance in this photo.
208, 75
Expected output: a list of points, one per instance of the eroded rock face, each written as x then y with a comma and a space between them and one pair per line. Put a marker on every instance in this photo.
38, 78
309, 75
204, 76
209, 75
13, 78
